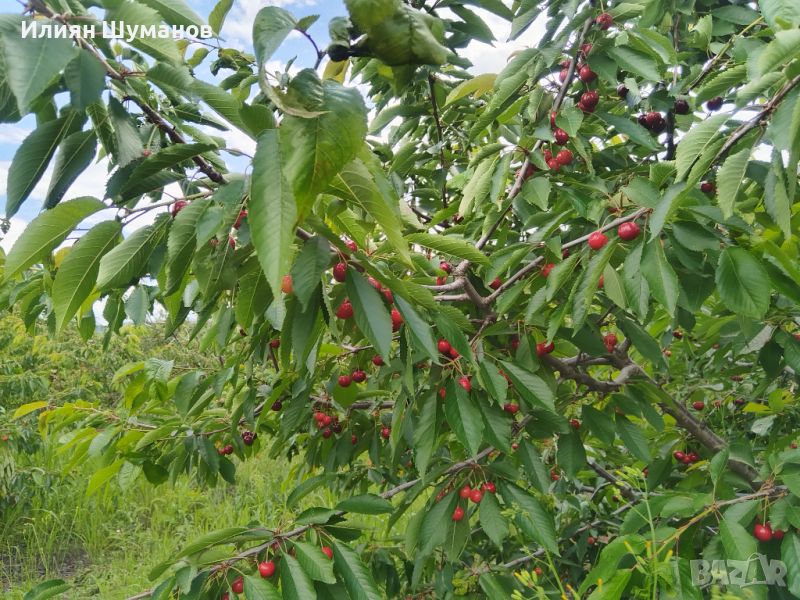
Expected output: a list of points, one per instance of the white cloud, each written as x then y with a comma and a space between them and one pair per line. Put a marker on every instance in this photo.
17, 227
13, 134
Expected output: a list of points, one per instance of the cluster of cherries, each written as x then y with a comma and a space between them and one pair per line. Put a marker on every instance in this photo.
686, 458
763, 532
266, 569
446, 349
329, 424
474, 495
357, 376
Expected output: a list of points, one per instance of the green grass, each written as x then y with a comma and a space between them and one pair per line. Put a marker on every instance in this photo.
106, 544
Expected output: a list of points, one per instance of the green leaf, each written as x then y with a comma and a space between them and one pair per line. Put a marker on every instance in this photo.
272, 25
136, 13
493, 523
33, 64
535, 470
614, 587
356, 577
144, 178
729, 180
272, 211
742, 283
449, 245
295, 583
544, 531
477, 87
47, 589
530, 386
317, 148
696, 141
634, 131
776, 196
75, 154
128, 261
311, 263
182, 241
425, 434
721, 83
28, 408
211, 539
464, 419
102, 476
790, 554
32, 157
785, 47
571, 453
369, 311
366, 504
77, 273
175, 12
314, 562
587, 288
450, 331
85, 77
221, 102
780, 14
739, 544
128, 144
256, 588
435, 524
217, 17
635, 62
47, 231
633, 438
660, 275
491, 586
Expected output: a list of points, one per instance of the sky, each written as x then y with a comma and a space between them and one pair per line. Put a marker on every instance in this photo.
237, 33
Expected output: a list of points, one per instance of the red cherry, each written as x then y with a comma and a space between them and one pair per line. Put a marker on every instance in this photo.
231, 241
548, 156
458, 514
547, 268
327, 551
553, 115
590, 99
397, 319
707, 187
597, 240
575, 424
441, 280
327, 419
444, 346
604, 21
496, 283
340, 272
178, 207
652, 119
681, 107
225, 596
553, 164
377, 361
514, 343
777, 534
591, 541
345, 310
242, 216
237, 587
543, 348
610, 340
622, 91
586, 74
491, 488
679, 455
387, 294
538, 570
442, 393
601, 281
465, 383
275, 343
266, 569
359, 376
562, 75
714, 104
628, 231
693, 457
319, 416
446, 267
351, 245
561, 136
554, 476
763, 533
793, 445
353, 439
511, 408
585, 49
465, 491
476, 496
344, 381
146, 153
286, 284
514, 446
564, 157
698, 405
375, 283
386, 432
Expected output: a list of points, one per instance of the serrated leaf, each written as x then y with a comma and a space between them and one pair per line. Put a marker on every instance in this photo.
785, 47
77, 274
47, 231
295, 583
175, 12
182, 242
530, 386
696, 142
464, 419
370, 314
255, 588
127, 261
660, 275
449, 245
544, 529
634, 131
729, 180
75, 154
493, 523
477, 87
144, 178
356, 577
742, 283
366, 504
314, 562
633, 438
216, 19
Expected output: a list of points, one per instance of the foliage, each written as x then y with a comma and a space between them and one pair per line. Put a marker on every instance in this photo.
553, 279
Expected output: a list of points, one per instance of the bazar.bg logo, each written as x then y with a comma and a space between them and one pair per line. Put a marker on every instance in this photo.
757, 570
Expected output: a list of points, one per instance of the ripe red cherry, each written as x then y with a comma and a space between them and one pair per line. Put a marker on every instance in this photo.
679, 455
553, 164
628, 231
242, 216
266, 568
538, 570
597, 240
442, 393
652, 119
465, 491
604, 21
386, 432
490, 487
458, 514
590, 99
714, 104
327, 420
698, 405
548, 156
586, 74
377, 361
591, 541
444, 346
327, 551
553, 115
178, 207
340, 272
286, 284
547, 268
351, 245
375, 283
276, 343
231, 241
345, 310
777, 534
465, 383
446, 267
225, 596
554, 476
387, 294
562, 75
476, 496
585, 49
354, 439
610, 340
277, 406
319, 416
564, 157
681, 107
707, 187
543, 348
441, 280
237, 587
575, 424
514, 343
762, 533
344, 381
622, 91
561, 136
359, 376
511, 408
496, 283
397, 319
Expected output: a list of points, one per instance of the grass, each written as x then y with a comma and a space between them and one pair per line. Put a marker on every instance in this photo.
106, 544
